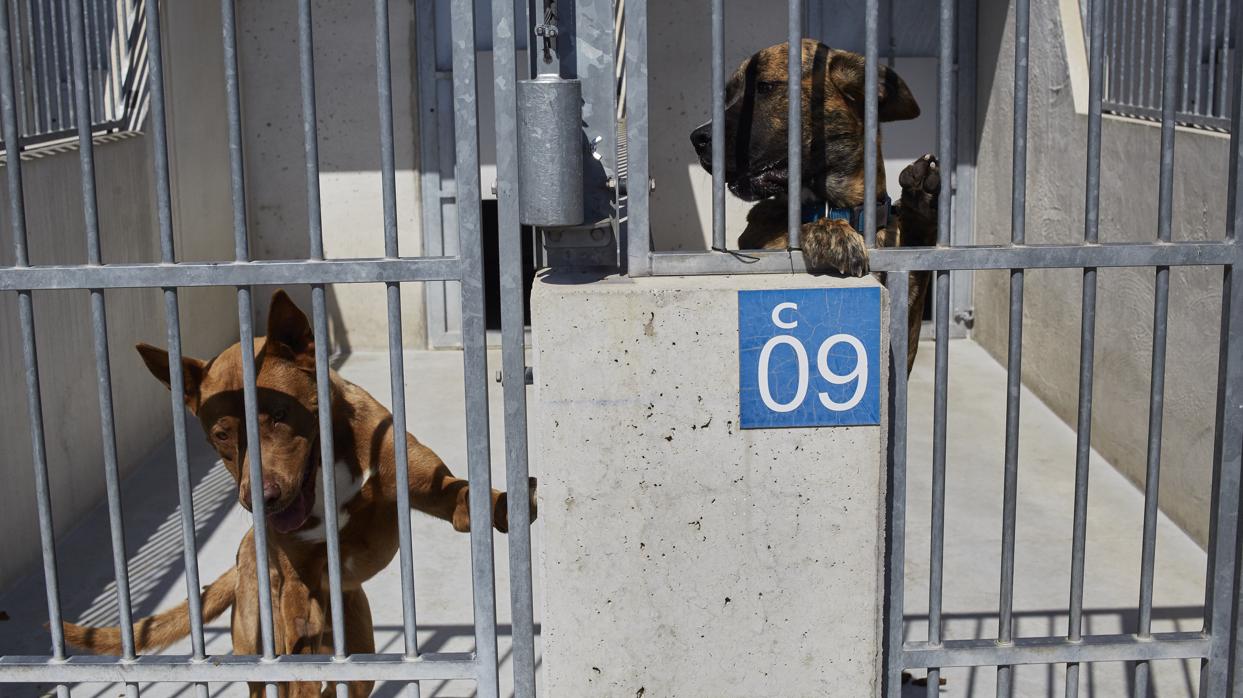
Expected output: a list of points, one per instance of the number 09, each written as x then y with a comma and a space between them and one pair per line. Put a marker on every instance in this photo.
859, 374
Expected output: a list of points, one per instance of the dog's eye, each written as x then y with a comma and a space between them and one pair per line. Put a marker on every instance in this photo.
767, 87
278, 414
220, 435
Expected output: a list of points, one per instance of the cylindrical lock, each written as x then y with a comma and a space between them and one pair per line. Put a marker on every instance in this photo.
550, 151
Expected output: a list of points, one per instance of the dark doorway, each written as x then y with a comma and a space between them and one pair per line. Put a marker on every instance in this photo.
492, 268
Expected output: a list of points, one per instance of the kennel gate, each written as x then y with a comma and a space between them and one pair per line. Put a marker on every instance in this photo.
1216, 644
617, 49
393, 269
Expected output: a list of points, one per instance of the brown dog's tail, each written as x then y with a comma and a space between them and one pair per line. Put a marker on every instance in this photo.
158, 631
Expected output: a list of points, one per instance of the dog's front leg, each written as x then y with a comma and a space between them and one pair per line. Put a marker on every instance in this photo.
917, 218
831, 244
434, 490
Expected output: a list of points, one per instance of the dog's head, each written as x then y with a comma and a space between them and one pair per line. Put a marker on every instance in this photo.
287, 405
756, 117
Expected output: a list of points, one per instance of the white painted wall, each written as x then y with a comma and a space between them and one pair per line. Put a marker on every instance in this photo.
128, 229
1128, 205
349, 150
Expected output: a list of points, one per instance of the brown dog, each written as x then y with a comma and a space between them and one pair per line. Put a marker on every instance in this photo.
366, 485
756, 164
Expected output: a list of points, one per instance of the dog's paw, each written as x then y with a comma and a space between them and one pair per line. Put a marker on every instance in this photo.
461, 511
832, 245
921, 186
500, 507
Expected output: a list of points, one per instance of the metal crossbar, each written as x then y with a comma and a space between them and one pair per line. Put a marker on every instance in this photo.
1114, 74
410, 666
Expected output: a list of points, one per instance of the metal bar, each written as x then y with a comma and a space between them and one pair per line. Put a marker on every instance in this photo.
1014, 358
245, 314
1213, 253
99, 332
1222, 573
794, 125
30, 353
718, 125
1058, 650
1115, 53
474, 344
1131, 43
871, 97
1224, 81
513, 353
896, 598
1087, 340
1150, 56
1165, 212
396, 358
39, 68
1212, 89
638, 194
1199, 57
164, 215
319, 312
1187, 64
230, 668
230, 273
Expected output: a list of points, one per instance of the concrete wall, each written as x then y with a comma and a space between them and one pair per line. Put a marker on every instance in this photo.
1055, 214
349, 150
691, 557
63, 326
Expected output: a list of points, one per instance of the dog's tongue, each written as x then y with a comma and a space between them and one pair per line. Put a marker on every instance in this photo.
293, 516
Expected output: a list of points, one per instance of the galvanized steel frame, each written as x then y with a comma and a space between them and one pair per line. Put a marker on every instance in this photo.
96, 276
1215, 643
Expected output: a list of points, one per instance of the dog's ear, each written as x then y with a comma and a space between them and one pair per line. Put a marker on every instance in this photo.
192, 371
848, 74
289, 332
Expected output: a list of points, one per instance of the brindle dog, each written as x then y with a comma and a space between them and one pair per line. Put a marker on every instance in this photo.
756, 163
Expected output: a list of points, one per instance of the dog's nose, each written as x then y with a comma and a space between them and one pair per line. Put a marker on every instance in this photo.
271, 492
701, 137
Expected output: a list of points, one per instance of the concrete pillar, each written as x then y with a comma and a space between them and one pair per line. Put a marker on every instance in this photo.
682, 555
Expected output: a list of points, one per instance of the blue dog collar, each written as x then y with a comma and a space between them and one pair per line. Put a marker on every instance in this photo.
853, 216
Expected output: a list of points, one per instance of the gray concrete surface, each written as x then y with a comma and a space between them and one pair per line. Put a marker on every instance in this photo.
1128, 209
689, 556
434, 392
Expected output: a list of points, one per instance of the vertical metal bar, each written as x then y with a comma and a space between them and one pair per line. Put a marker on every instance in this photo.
1131, 44
1220, 599
1199, 58
638, 194
1150, 55
1187, 64
871, 99
245, 313
1115, 51
1213, 87
898, 310
99, 330
1165, 210
513, 355
945, 121
1014, 358
718, 124
59, 23
1223, 81
323, 389
164, 215
474, 343
1087, 340
30, 353
794, 122
396, 359
116, 41
41, 84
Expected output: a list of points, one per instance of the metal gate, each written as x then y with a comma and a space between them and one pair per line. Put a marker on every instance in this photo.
168, 274
604, 44
1215, 644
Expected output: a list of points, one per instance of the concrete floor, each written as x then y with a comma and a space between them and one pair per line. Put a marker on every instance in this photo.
442, 570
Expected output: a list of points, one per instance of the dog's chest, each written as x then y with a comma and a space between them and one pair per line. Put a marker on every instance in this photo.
348, 485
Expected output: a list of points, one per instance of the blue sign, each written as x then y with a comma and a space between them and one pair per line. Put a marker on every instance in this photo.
809, 357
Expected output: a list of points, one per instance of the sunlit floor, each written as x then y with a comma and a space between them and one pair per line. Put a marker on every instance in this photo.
442, 569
